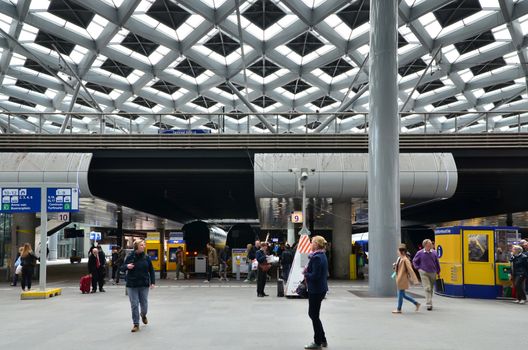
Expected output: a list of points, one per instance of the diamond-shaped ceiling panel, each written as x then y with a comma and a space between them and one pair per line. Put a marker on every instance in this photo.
72, 12
264, 14
163, 55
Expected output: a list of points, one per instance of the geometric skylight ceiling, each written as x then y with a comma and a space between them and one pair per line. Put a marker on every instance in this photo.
163, 56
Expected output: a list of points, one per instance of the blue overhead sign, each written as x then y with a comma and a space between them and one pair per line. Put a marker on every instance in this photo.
20, 200
184, 131
63, 199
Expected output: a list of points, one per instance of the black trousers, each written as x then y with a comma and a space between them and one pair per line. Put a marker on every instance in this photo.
209, 271
98, 279
314, 309
520, 282
261, 281
27, 276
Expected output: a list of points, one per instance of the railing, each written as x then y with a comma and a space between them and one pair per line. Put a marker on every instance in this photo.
262, 123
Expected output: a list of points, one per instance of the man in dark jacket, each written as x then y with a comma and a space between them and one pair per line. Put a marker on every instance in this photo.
261, 271
519, 263
96, 267
286, 262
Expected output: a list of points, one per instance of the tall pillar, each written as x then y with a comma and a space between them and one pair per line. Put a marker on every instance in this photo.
291, 233
383, 176
52, 245
341, 239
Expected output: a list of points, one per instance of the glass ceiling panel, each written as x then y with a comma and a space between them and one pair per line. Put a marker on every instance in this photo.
180, 44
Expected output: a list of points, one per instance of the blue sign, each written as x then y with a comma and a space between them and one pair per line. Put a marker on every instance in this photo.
95, 236
63, 199
184, 131
20, 200
439, 251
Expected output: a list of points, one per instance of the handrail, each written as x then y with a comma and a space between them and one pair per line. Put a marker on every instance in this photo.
350, 122
279, 142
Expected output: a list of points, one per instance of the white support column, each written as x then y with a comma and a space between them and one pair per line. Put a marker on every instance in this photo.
383, 176
52, 245
291, 232
43, 237
341, 239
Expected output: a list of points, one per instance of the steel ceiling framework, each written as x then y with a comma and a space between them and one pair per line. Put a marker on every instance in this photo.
151, 57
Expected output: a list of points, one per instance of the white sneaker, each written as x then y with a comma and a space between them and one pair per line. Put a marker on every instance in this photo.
206, 281
516, 301
246, 280
522, 302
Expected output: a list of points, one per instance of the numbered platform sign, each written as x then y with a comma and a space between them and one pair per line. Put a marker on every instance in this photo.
297, 217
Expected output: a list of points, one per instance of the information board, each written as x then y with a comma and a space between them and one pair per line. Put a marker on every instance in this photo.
20, 200
63, 199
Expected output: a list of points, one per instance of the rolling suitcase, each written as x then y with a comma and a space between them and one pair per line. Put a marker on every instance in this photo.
85, 284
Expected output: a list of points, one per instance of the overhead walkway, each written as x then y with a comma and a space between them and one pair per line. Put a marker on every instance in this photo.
278, 142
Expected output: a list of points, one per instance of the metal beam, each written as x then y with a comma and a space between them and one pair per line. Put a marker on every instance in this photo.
342, 108
72, 104
251, 108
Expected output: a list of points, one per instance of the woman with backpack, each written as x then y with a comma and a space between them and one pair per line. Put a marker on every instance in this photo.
28, 261
404, 273
140, 277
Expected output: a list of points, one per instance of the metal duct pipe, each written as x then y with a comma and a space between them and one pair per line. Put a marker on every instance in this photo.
423, 176
46, 167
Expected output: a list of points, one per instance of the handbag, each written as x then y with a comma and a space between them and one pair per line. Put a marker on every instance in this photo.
439, 285
302, 290
265, 267
18, 270
254, 265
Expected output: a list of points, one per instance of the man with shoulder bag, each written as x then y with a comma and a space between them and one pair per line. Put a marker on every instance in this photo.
263, 268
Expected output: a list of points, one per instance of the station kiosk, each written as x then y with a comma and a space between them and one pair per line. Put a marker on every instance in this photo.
474, 260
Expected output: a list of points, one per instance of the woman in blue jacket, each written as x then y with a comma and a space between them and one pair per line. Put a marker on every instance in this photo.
140, 277
316, 274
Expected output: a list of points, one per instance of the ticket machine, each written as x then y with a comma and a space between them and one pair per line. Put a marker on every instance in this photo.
474, 260
153, 249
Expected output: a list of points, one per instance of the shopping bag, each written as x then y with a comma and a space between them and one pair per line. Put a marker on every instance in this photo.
439, 285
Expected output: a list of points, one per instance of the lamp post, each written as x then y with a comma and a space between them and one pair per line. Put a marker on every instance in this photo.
302, 183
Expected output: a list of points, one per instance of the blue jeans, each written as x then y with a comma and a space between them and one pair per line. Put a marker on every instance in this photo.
401, 296
138, 297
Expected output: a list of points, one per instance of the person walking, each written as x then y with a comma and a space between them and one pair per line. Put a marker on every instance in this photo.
225, 254
251, 254
28, 260
404, 274
262, 270
96, 270
113, 262
121, 255
519, 264
316, 276
428, 266
140, 278
286, 261
180, 262
212, 260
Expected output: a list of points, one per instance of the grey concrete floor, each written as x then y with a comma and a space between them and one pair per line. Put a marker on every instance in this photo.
194, 315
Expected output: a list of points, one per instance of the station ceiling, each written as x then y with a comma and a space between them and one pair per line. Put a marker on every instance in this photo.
165, 56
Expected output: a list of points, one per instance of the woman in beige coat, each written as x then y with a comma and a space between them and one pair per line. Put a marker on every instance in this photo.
404, 275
